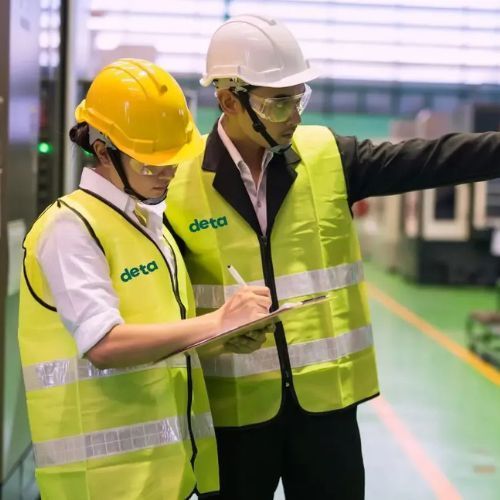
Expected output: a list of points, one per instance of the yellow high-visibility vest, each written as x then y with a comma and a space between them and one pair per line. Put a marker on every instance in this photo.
134, 433
325, 353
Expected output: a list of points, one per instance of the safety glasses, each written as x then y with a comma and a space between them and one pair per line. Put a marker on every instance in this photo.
146, 170
280, 109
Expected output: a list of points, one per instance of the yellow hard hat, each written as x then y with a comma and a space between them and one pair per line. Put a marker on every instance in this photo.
143, 111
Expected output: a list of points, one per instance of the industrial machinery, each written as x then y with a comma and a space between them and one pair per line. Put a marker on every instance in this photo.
443, 235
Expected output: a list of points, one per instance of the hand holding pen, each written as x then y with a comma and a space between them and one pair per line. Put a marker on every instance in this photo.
250, 341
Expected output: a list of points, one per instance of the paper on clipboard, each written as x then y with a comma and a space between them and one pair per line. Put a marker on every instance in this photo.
285, 310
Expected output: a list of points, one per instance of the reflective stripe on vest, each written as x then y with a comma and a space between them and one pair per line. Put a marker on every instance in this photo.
288, 286
120, 440
67, 371
304, 354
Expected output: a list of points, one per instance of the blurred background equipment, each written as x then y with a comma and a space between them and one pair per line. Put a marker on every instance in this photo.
483, 332
19, 132
440, 235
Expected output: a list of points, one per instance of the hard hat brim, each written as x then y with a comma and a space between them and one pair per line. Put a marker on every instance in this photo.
189, 151
260, 81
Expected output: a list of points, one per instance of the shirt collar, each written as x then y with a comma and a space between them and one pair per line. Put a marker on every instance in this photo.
216, 154
233, 151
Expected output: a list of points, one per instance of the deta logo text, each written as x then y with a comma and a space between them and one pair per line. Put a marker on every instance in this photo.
133, 272
215, 222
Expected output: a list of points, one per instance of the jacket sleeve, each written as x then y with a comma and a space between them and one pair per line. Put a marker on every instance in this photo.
385, 169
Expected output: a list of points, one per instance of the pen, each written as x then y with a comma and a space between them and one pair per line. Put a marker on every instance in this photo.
236, 275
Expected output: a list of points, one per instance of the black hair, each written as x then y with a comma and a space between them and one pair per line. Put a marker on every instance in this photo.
79, 134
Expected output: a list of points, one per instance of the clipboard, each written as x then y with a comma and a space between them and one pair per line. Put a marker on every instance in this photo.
284, 311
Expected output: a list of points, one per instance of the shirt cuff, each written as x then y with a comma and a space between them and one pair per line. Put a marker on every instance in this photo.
94, 329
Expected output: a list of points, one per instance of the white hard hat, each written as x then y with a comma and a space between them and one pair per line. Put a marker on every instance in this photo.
257, 50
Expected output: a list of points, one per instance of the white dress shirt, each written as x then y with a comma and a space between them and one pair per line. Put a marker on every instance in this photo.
77, 271
257, 192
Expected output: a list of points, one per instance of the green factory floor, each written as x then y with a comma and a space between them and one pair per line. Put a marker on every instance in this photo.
435, 431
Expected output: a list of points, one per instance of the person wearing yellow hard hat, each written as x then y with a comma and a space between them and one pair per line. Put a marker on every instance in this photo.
105, 299
285, 193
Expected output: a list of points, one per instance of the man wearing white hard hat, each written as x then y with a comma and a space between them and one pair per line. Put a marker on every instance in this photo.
284, 406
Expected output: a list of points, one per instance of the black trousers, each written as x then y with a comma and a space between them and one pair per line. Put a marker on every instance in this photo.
316, 456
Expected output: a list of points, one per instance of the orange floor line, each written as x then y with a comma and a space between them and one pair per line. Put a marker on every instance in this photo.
438, 482
485, 369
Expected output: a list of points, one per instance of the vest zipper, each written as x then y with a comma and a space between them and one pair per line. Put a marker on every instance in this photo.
279, 334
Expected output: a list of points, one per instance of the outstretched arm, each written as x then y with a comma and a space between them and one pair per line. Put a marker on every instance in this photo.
385, 169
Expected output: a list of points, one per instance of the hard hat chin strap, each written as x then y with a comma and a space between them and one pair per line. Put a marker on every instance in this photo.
114, 154
258, 126
127, 188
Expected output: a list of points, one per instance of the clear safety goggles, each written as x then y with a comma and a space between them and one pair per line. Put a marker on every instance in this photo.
280, 109
146, 170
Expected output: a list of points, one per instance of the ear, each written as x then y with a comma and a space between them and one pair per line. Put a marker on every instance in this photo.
229, 103
102, 154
